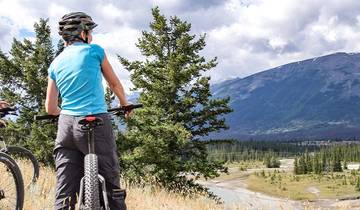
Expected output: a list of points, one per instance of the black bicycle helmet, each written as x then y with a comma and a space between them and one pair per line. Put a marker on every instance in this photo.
71, 25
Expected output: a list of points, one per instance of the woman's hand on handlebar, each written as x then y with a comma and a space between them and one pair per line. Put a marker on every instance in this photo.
4, 104
128, 112
2, 123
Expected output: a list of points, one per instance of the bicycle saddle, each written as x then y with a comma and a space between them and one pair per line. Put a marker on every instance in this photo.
91, 121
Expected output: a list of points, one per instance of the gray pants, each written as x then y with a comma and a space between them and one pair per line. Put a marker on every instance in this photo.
70, 149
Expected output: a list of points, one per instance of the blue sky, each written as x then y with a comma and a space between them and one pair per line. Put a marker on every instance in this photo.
247, 36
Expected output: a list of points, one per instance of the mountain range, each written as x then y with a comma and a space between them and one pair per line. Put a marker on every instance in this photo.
318, 98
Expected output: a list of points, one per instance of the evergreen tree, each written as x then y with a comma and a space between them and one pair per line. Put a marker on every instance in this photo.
302, 165
308, 162
271, 161
345, 164
336, 163
324, 162
296, 167
163, 138
357, 185
23, 79
109, 96
267, 160
275, 163
317, 167
60, 47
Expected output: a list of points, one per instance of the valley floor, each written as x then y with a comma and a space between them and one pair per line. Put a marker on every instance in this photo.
280, 190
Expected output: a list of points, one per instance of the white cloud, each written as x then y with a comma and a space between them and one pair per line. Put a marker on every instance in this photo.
266, 34
247, 36
7, 32
120, 41
277, 43
21, 16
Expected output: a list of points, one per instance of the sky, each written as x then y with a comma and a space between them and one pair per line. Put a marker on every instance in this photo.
247, 36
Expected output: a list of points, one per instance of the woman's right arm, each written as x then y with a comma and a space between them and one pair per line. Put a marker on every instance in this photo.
52, 100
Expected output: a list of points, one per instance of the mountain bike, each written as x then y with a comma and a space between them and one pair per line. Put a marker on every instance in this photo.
21, 155
11, 184
92, 184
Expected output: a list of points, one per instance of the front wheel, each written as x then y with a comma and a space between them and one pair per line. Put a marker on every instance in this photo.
91, 182
11, 184
22, 157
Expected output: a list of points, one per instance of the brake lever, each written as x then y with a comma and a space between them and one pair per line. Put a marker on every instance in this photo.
119, 113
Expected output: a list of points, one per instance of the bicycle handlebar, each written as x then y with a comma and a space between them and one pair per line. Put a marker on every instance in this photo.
45, 117
117, 111
125, 108
7, 109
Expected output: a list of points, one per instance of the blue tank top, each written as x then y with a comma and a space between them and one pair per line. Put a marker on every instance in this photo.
77, 74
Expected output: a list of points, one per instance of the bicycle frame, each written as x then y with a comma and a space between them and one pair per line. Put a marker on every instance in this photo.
91, 147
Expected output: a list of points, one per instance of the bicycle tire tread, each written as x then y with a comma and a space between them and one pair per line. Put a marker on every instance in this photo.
91, 182
14, 169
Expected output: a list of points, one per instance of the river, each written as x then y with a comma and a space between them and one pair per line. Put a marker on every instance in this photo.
241, 198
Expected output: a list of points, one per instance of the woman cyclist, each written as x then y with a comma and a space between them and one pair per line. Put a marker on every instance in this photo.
76, 75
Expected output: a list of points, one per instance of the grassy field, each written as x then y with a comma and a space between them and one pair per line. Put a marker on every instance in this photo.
303, 187
41, 196
283, 183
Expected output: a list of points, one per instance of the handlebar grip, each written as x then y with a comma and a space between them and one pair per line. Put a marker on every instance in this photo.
45, 117
135, 106
8, 109
128, 107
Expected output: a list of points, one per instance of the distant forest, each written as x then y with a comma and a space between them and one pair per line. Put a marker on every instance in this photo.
326, 152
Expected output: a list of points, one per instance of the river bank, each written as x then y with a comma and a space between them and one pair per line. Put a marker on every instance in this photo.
233, 189
242, 198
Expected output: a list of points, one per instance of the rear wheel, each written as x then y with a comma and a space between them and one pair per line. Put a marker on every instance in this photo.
11, 184
91, 183
23, 157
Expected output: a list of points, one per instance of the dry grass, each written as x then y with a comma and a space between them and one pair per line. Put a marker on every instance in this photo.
286, 185
41, 194
160, 199
41, 197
